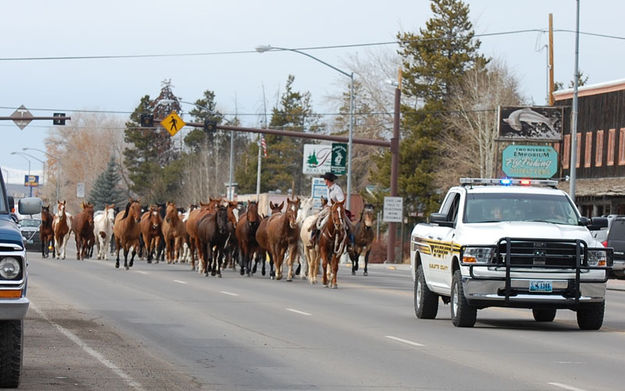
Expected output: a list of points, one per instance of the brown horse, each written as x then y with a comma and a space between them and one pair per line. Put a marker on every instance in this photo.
246, 237
262, 239
282, 235
231, 250
174, 233
332, 240
82, 225
62, 227
46, 233
150, 227
363, 237
191, 226
213, 233
126, 231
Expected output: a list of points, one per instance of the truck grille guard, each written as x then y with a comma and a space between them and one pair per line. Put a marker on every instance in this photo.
543, 254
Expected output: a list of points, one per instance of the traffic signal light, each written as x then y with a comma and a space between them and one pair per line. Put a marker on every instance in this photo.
210, 125
147, 120
59, 121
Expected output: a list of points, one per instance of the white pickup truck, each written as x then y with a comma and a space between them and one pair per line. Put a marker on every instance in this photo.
509, 243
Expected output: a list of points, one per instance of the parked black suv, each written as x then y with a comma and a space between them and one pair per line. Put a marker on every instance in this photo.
616, 240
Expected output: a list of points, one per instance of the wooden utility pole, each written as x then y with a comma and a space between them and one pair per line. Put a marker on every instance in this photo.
551, 82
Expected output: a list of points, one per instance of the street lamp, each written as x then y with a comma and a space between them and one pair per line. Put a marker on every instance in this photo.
29, 184
58, 167
266, 48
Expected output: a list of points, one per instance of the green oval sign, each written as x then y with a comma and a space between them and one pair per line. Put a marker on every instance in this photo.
529, 161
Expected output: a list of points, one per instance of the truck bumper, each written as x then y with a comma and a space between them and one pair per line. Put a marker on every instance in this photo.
492, 293
14, 309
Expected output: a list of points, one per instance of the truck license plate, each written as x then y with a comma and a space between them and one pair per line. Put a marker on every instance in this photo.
540, 286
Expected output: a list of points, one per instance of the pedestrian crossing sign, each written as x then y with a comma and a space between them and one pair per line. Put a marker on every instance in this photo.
173, 123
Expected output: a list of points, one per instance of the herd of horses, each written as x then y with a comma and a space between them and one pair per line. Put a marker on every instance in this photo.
214, 235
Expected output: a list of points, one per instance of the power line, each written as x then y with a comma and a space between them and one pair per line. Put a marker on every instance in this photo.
231, 52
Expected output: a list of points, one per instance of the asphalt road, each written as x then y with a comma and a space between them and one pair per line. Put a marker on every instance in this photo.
163, 327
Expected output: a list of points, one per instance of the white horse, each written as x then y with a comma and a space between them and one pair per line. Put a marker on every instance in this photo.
103, 229
62, 222
306, 216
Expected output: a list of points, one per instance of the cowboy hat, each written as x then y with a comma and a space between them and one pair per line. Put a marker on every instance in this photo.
329, 176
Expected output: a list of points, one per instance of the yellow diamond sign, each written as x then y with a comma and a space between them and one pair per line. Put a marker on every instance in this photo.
173, 123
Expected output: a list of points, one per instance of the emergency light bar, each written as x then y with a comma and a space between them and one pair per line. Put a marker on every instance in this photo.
508, 182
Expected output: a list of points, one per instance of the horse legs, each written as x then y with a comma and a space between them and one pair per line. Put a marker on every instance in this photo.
292, 255
366, 262
353, 256
334, 271
126, 257
324, 267
118, 247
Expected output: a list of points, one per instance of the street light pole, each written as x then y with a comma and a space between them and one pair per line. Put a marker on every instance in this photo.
58, 168
266, 48
29, 184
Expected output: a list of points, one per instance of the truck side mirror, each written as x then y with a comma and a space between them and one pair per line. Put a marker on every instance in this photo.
596, 223
441, 219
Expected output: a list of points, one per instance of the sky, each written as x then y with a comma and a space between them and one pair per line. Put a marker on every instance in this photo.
222, 36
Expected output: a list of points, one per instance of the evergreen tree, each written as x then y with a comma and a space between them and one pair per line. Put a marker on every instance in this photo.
106, 189
433, 61
282, 169
150, 150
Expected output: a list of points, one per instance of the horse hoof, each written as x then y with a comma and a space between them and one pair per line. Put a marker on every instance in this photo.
365, 274
127, 267
117, 266
334, 286
353, 272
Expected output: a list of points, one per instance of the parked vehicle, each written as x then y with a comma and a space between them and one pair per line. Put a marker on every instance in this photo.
616, 240
30, 233
13, 284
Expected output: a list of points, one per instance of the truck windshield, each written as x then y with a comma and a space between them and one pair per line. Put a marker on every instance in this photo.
495, 207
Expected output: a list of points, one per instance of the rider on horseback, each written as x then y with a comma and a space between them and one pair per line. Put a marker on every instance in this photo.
335, 194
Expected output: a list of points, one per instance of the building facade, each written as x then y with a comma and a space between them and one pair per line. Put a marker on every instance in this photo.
600, 146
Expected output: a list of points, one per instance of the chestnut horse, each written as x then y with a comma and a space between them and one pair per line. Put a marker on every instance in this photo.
150, 227
126, 231
332, 240
62, 227
46, 233
191, 226
246, 237
213, 233
261, 237
82, 225
282, 232
363, 237
174, 233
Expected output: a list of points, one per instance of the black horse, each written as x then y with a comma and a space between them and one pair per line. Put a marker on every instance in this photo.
246, 236
213, 235
363, 237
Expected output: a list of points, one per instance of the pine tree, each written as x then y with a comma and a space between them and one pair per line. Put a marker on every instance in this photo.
150, 150
106, 189
434, 61
282, 168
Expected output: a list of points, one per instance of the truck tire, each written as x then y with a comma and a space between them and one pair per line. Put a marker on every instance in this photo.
462, 313
425, 301
544, 314
11, 353
590, 315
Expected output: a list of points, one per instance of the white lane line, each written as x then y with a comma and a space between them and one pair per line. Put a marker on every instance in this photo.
404, 341
142, 272
74, 338
180, 282
299, 312
564, 386
229, 293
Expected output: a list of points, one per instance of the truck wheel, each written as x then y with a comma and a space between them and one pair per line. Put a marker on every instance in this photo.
462, 313
425, 301
544, 314
11, 353
590, 315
